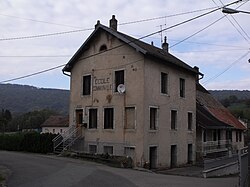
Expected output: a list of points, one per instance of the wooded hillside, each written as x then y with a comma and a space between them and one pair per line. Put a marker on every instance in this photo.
21, 99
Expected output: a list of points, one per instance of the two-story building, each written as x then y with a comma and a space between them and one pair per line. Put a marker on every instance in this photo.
218, 132
131, 98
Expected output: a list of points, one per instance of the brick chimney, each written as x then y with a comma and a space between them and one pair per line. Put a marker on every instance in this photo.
113, 23
165, 45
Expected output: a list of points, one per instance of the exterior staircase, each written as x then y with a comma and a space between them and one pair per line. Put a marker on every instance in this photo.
63, 142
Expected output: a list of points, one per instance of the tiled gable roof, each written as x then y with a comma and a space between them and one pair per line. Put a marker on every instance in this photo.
144, 48
216, 109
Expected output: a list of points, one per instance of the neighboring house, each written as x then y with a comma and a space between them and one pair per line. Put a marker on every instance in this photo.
56, 125
218, 132
131, 98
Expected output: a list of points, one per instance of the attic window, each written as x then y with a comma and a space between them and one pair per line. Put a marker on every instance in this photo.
103, 48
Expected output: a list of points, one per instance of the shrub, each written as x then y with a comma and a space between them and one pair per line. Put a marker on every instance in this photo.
29, 142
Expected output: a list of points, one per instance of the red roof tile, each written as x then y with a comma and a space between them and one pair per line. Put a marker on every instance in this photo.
56, 121
225, 116
206, 100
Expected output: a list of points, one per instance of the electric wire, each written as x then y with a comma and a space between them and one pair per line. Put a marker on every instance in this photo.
44, 35
163, 17
88, 29
175, 25
32, 74
197, 32
125, 23
39, 21
242, 30
230, 66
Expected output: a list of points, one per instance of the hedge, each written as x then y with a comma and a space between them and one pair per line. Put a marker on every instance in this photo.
28, 142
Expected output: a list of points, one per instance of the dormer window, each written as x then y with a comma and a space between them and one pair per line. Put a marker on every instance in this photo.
103, 48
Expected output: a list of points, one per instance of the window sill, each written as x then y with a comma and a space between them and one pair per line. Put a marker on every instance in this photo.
130, 130
92, 129
86, 96
153, 130
165, 94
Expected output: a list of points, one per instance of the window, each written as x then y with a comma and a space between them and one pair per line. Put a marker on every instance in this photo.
93, 118
182, 87
129, 151
119, 78
108, 118
190, 120
173, 119
214, 135
92, 149
204, 135
103, 48
238, 136
164, 83
108, 150
229, 135
61, 131
129, 118
190, 153
153, 118
173, 156
86, 85
236, 133
54, 131
79, 117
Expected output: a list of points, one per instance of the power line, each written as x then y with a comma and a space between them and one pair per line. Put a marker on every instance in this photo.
168, 16
197, 32
125, 23
81, 30
236, 23
43, 35
215, 50
33, 74
230, 66
178, 24
39, 21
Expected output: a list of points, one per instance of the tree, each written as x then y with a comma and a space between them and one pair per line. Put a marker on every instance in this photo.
5, 118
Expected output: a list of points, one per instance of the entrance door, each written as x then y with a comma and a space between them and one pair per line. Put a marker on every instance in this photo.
79, 117
152, 157
173, 157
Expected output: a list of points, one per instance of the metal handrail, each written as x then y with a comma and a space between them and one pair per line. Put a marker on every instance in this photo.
62, 138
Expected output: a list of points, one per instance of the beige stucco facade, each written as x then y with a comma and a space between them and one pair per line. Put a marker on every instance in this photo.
142, 80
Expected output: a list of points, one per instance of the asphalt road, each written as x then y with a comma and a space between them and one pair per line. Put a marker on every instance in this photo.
33, 170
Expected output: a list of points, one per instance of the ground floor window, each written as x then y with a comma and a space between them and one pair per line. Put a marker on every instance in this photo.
108, 118
93, 118
129, 151
108, 150
92, 149
129, 118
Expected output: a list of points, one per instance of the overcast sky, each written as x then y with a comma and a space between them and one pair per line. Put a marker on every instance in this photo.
220, 50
